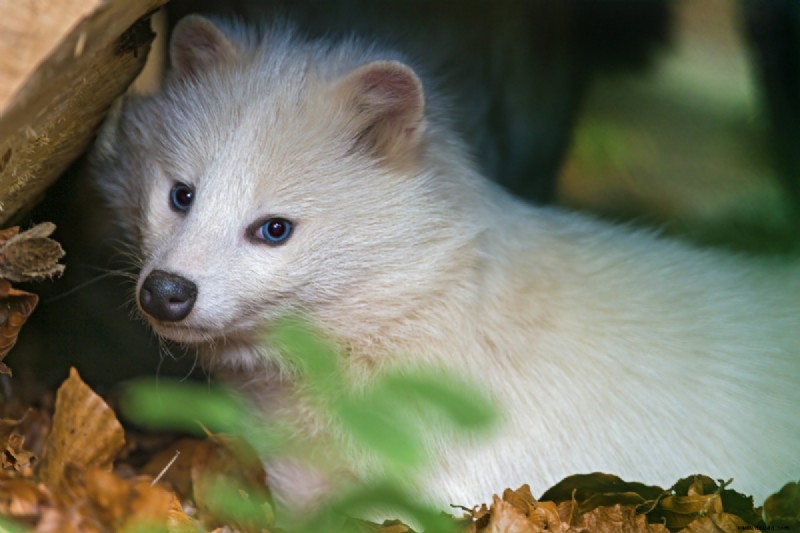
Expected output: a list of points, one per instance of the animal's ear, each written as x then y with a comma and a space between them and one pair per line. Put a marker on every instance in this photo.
198, 44
387, 103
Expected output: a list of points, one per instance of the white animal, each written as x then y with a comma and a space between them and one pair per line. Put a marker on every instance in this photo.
273, 174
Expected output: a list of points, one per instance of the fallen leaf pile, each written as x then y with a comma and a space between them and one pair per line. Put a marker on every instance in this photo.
75, 487
72, 473
27, 256
77, 478
72, 488
605, 503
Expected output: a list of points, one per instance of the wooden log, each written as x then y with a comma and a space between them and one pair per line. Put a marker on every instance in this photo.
62, 63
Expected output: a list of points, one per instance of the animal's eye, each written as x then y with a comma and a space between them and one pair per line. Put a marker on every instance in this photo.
274, 230
181, 197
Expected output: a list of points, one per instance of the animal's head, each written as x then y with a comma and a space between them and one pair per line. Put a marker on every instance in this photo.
273, 176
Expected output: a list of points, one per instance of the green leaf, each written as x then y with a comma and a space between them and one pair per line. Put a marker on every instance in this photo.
315, 357
379, 498
145, 528
466, 408
375, 424
188, 407
230, 502
7, 525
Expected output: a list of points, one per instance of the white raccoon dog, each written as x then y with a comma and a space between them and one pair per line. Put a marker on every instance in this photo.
274, 175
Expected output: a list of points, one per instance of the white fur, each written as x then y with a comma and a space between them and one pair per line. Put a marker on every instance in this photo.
607, 348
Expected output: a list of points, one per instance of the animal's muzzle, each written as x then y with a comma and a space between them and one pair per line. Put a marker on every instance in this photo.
167, 297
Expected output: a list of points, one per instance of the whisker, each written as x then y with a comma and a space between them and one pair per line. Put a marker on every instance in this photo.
161, 358
191, 370
80, 286
164, 349
129, 274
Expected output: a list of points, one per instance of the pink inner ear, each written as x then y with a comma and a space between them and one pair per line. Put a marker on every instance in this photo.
393, 84
393, 93
197, 44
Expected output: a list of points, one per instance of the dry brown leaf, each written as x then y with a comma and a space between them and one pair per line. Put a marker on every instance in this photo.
516, 511
521, 498
177, 474
15, 308
700, 502
506, 518
680, 511
30, 255
568, 512
22, 499
8, 426
356, 525
480, 515
34, 426
107, 502
177, 519
616, 519
7, 233
16, 458
125, 503
85, 433
67, 520
104, 502
543, 515
732, 502
718, 523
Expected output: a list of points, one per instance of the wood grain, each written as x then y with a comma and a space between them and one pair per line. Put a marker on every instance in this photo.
62, 63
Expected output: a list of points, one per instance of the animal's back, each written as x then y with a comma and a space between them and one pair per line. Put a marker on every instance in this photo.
615, 350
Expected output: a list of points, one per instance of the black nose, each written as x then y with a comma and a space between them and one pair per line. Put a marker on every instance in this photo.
166, 296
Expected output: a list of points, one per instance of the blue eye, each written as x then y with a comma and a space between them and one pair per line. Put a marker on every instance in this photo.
275, 230
181, 197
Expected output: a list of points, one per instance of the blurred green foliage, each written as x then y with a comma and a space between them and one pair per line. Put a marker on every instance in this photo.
388, 419
10, 526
